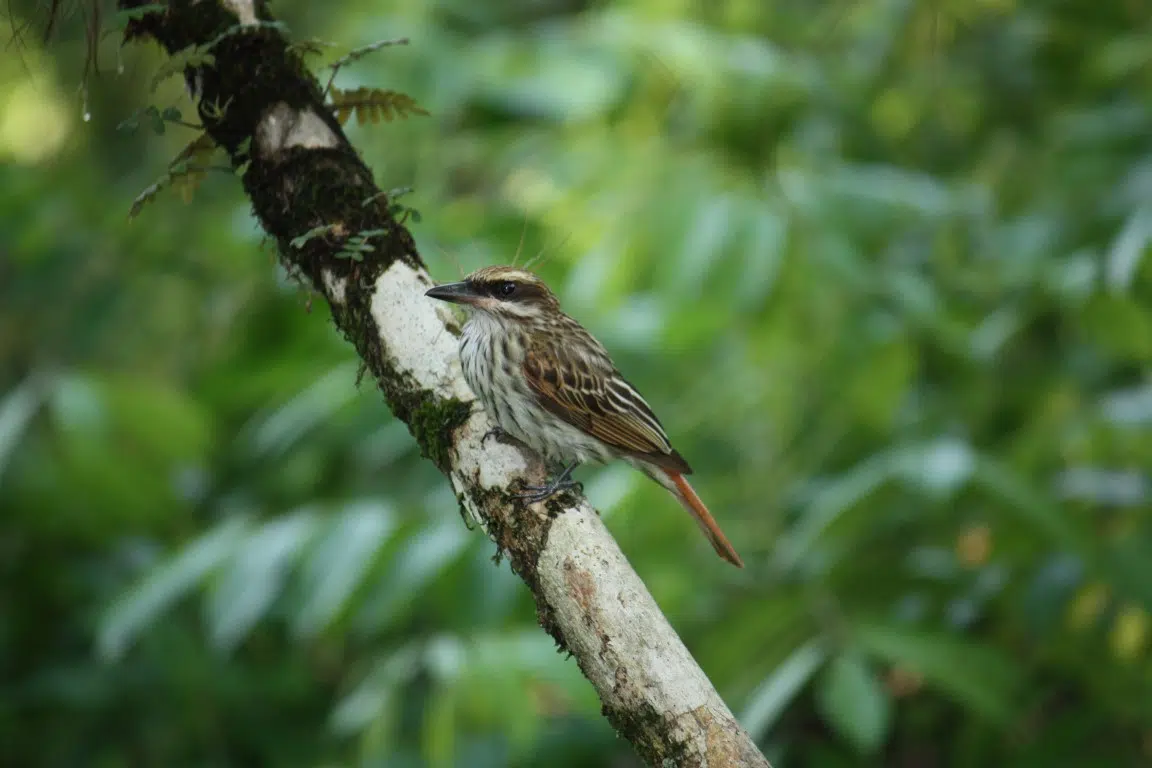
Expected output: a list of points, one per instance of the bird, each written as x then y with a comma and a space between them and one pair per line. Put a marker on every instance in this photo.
549, 384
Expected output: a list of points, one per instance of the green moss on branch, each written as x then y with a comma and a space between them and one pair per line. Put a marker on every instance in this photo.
432, 422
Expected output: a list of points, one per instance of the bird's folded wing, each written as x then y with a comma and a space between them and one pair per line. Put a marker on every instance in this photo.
590, 394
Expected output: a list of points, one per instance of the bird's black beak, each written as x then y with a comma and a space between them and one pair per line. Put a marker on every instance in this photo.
457, 293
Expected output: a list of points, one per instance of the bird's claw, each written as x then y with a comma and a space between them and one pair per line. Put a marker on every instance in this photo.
535, 493
497, 433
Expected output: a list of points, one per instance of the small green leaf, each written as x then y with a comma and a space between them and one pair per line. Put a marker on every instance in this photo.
194, 56
130, 124
302, 240
398, 192
155, 118
126, 15
310, 47
854, 703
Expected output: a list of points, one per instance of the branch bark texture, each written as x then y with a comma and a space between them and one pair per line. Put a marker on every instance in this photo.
302, 174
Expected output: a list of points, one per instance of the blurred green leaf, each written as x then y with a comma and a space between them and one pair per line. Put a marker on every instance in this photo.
425, 556
762, 253
891, 186
546, 79
977, 676
143, 605
830, 501
1129, 407
276, 431
777, 691
940, 468
854, 702
1130, 247
160, 420
374, 698
1121, 326
439, 737
255, 576
17, 408
339, 563
1043, 515
77, 403
707, 236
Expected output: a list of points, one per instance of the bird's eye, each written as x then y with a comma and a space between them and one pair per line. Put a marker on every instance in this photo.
506, 288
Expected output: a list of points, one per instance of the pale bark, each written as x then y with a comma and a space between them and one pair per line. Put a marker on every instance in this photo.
303, 174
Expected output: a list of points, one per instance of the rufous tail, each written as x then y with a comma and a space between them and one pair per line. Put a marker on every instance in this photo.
691, 502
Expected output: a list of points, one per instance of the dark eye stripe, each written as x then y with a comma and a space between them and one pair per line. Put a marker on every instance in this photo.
523, 292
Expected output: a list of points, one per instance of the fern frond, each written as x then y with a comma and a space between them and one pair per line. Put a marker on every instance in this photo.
373, 105
185, 173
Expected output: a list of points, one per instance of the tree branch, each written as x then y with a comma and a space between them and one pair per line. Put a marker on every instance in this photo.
257, 100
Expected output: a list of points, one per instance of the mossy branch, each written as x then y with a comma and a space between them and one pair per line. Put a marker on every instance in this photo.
315, 197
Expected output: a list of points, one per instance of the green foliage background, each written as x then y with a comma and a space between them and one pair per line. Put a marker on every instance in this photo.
879, 265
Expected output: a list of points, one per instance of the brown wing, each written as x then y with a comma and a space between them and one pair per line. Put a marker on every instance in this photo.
578, 383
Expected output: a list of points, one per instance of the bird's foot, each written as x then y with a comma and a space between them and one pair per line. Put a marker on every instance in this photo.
499, 435
564, 482
535, 493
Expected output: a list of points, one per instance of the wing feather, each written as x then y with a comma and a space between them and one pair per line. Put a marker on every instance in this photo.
579, 384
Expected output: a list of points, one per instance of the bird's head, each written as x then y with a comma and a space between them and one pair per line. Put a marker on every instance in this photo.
507, 293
